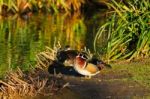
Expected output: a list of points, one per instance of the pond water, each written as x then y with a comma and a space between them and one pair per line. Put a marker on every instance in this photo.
21, 40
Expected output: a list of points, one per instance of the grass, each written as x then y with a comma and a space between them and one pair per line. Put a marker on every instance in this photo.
137, 71
127, 29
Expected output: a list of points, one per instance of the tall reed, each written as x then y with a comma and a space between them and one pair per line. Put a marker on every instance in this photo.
128, 30
22, 6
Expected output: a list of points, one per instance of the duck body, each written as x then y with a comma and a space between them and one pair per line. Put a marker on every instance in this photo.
66, 55
88, 67
89, 70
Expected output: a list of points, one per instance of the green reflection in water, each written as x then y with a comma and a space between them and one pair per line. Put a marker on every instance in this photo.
21, 40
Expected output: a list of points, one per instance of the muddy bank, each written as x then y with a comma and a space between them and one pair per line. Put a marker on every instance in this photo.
107, 85
97, 88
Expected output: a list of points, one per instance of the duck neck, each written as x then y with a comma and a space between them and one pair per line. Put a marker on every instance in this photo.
80, 62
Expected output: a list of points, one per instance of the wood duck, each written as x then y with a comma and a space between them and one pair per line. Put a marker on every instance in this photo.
88, 67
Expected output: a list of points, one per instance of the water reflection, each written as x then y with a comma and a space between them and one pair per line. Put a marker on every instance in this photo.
20, 40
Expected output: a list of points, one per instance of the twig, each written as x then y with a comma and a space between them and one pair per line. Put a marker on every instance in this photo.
40, 61
43, 84
7, 85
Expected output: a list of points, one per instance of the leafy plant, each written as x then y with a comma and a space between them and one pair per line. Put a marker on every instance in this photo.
128, 31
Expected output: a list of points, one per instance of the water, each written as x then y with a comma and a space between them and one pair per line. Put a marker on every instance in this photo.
21, 40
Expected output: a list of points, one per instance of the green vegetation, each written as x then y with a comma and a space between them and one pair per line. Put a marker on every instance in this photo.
137, 71
128, 31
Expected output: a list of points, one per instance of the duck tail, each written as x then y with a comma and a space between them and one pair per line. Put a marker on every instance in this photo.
103, 65
108, 65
